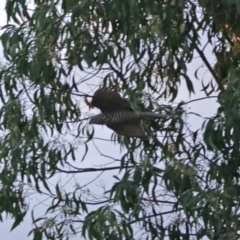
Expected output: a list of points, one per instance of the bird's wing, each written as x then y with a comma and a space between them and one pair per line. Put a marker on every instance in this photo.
110, 101
129, 129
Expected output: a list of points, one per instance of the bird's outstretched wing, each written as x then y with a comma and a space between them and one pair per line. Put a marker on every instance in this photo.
110, 101
129, 129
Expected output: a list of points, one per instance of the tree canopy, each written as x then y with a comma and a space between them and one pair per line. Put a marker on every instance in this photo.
181, 184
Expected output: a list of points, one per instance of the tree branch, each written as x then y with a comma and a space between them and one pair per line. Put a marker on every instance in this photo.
155, 215
200, 52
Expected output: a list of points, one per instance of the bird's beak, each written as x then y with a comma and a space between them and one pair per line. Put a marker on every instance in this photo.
89, 104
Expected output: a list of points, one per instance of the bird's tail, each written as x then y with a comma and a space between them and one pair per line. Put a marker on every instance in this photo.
155, 115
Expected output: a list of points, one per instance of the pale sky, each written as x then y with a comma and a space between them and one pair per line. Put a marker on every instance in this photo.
94, 158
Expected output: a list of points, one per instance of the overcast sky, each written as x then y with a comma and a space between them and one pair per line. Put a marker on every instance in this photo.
94, 157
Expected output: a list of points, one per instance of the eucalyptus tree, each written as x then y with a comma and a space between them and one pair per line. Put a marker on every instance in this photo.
179, 184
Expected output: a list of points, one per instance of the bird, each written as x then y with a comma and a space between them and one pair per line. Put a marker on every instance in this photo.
118, 114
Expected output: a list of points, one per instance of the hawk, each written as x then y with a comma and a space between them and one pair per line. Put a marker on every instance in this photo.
119, 115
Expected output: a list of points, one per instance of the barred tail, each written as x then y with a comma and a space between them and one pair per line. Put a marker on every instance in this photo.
155, 115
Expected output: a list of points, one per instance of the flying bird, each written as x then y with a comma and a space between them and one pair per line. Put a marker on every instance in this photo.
118, 114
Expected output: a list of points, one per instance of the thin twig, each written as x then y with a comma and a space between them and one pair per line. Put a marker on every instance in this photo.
199, 99
84, 170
